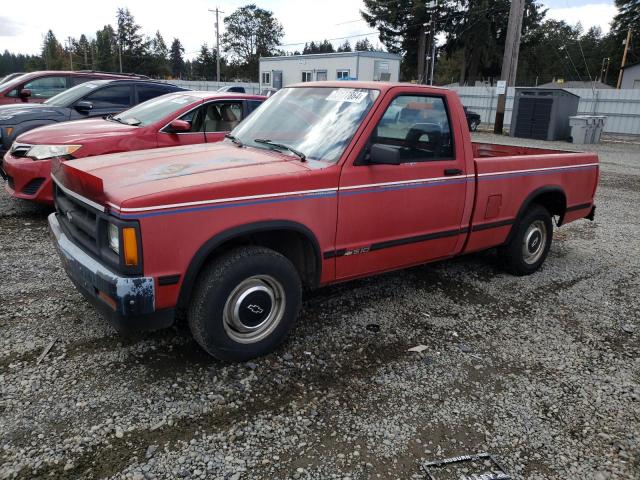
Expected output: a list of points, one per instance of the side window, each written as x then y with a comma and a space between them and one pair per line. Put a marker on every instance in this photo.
82, 79
266, 78
222, 116
195, 118
418, 126
342, 74
117, 97
252, 105
46, 87
146, 92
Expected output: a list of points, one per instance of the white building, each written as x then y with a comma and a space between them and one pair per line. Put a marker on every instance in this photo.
278, 72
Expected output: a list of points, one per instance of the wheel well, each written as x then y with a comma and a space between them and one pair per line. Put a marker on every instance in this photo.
554, 201
295, 244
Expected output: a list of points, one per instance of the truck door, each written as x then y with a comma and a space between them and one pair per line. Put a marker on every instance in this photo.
396, 215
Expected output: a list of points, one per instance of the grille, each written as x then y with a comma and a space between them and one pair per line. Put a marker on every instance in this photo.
33, 186
81, 223
19, 150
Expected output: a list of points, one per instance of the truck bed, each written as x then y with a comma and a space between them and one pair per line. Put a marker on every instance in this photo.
492, 150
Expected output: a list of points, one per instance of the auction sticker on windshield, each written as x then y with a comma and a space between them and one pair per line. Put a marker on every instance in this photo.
347, 95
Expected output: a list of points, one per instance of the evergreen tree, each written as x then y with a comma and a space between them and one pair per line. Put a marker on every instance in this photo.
135, 48
363, 46
52, 52
345, 47
176, 59
160, 66
106, 56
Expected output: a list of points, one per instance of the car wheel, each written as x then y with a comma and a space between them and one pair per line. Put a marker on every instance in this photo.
245, 303
473, 126
529, 245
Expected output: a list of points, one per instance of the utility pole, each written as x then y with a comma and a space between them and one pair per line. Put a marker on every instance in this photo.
217, 11
624, 58
422, 56
120, 54
510, 59
433, 47
70, 54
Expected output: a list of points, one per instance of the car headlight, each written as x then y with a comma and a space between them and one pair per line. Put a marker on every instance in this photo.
40, 152
114, 238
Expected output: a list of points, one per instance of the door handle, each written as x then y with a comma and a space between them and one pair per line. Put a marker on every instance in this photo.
452, 171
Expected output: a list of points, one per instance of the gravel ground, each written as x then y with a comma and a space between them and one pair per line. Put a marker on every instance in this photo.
543, 372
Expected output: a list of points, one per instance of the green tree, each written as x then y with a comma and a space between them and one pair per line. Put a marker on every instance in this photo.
251, 33
160, 66
52, 52
364, 46
135, 48
176, 59
204, 66
106, 50
345, 47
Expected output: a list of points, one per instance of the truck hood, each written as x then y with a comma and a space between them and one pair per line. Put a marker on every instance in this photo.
76, 132
13, 114
149, 178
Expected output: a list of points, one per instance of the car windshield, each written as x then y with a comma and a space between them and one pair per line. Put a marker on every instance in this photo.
69, 97
156, 109
316, 121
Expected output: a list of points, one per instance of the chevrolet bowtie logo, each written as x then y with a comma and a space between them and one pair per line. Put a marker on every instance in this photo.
255, 308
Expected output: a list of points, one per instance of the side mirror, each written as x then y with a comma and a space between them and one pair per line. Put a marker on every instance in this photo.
380, 154
25, 93
179, 126
83, 106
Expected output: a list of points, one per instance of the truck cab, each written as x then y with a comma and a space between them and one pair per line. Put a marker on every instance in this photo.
325, 182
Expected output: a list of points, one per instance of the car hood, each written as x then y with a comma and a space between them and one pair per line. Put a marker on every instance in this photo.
94, 129
12, 114
195, 173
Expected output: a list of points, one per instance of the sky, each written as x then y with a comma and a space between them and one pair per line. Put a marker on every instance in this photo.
22, 30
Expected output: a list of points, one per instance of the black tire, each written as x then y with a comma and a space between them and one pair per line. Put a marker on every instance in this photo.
239, 291
524, 254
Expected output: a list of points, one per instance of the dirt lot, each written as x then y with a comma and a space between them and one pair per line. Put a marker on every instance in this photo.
543, 372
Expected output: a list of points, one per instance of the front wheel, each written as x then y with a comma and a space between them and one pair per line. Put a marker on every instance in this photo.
529, 245
245, 303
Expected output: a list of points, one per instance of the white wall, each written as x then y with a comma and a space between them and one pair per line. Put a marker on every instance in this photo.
360, 67
621, 107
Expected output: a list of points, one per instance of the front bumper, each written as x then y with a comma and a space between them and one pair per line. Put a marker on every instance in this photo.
28, 179
128, 302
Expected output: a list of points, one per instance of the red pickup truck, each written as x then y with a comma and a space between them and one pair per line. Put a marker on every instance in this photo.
326, 182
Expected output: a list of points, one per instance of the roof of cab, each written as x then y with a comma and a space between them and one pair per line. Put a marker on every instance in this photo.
382, 86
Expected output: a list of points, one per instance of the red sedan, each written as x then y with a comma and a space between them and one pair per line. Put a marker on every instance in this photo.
180, 118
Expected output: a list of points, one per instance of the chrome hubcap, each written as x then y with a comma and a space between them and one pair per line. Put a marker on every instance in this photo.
534, 242
254, 309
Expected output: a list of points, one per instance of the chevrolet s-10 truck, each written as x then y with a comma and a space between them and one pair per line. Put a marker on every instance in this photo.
324, 183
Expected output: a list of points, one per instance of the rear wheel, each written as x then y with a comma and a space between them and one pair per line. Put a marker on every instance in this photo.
529, 246
245, 303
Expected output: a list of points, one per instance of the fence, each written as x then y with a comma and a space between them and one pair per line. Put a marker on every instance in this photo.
253, 88
621, 107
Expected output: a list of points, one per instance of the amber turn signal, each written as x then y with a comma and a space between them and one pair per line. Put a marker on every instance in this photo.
130, 243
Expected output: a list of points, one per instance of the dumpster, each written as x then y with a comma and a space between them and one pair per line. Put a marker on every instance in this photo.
587, 128
599, 123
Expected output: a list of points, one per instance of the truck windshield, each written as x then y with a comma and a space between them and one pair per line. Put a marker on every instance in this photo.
316, 121
156, 109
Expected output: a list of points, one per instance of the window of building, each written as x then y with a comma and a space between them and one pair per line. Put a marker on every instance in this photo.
266, 78
321, 75
342, 74
306, 76
418, 126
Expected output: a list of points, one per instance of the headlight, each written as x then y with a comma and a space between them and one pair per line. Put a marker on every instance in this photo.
114, 238
40, 152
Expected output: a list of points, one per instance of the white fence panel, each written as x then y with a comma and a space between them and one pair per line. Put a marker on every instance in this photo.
253, 88
621, 107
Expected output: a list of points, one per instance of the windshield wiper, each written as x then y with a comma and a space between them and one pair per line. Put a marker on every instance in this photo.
234, 139
302, 156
